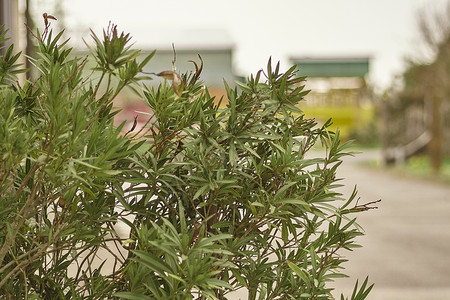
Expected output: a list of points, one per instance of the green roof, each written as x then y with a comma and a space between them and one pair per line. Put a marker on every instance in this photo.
332, 67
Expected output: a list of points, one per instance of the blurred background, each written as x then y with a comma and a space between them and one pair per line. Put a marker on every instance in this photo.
379, 68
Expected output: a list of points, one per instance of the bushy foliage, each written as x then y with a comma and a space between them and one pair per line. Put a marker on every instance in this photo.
216, 198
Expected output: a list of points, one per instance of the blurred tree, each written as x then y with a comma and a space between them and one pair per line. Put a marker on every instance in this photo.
425, 83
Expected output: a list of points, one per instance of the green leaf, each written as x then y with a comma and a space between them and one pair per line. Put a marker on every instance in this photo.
299, 272
238, 277
153, 263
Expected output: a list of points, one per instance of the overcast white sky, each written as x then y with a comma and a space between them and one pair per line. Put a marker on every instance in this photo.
385, 30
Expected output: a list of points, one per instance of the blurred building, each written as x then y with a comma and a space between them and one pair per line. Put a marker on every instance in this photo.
338, 91
215, 47
335, 81
180, 48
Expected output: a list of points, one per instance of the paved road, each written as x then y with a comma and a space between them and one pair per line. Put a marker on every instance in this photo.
406, 249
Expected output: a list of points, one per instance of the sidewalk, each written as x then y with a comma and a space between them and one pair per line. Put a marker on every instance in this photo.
406, 249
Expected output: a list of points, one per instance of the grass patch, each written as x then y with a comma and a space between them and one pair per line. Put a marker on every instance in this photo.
420, 167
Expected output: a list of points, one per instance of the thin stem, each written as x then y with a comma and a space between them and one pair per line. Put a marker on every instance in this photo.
23, 213
98, 84
20, 265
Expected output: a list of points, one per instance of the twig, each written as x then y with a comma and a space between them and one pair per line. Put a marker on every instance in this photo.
174, 58
364, 207
30, 30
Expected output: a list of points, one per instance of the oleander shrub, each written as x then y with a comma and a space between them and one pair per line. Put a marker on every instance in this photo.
213, 198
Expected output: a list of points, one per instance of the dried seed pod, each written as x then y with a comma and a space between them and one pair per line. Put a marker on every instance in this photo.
175, 78
198, 70
61, 201
47, 17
